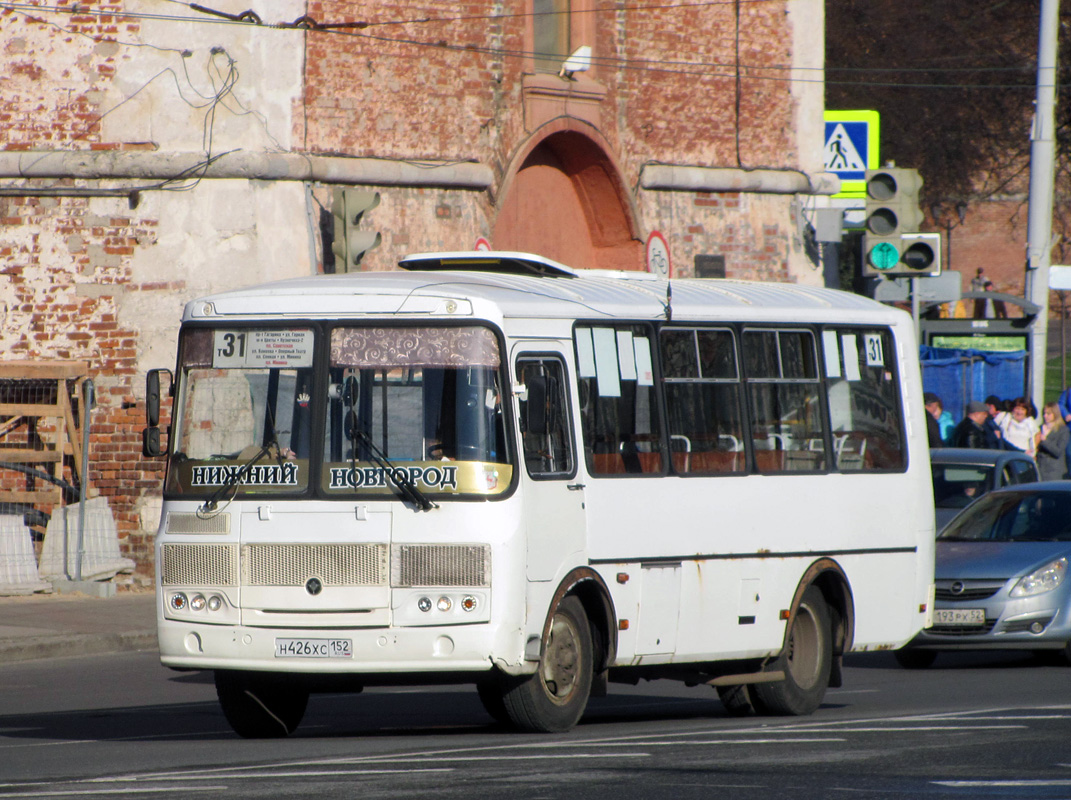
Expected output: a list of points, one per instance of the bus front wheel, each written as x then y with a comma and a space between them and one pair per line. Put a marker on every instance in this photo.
553, 699
806, 661
260, 706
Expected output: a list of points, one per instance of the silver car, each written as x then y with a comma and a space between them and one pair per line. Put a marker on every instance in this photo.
1002, 576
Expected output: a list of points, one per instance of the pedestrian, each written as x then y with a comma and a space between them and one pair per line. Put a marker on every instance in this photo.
1020, 429
945, 422
971, 431
1064, 404
1052, 444
995, 406
933, 410
998, 308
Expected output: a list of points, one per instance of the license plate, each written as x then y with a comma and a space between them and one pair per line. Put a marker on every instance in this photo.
313, 648
959, 616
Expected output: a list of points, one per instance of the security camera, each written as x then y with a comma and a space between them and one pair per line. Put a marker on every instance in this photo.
579, 61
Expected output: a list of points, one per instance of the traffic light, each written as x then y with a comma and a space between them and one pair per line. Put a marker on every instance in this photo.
920, 255
892, 209
351, 242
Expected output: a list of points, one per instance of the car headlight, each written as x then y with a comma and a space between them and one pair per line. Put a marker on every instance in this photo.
1041, 580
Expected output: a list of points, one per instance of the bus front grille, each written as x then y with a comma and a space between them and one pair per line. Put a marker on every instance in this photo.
199, 565
416, 565
333, 564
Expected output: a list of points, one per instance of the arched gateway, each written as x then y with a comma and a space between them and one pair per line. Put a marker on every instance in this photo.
565, 199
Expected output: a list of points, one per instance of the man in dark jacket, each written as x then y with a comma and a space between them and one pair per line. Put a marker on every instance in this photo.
933, 429
972, 432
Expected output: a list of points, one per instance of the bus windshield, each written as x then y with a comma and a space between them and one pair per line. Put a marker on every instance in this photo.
428, 399
420, 405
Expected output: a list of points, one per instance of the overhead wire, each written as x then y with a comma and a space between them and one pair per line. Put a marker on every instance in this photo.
732, 70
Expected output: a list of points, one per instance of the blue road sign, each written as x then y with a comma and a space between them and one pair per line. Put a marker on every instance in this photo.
851, 148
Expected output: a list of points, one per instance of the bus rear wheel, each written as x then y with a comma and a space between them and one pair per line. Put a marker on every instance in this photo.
553, 699
260, 706
806, 661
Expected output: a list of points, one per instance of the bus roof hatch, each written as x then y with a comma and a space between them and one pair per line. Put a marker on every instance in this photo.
501, 262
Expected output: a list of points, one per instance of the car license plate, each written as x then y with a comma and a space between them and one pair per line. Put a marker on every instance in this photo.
313, 648
959, 616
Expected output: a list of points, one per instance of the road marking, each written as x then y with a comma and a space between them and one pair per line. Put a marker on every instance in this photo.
980, 784
913, 728
268, 772
132, 790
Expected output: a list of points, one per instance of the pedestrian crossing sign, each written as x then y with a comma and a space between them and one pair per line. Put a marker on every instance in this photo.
851, 148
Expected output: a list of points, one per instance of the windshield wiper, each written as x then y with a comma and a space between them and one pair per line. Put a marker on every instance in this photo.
237, 476
398, 476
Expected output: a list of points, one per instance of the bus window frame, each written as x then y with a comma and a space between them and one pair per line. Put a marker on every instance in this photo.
658, 410
567, 415
892, 365
695, 327
514, 457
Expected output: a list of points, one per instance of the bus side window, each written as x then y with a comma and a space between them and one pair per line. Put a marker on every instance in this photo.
864, 399
702, 386
784, 398
619, 417
546, 441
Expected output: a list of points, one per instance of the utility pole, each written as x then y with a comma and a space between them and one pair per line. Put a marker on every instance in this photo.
1039, 220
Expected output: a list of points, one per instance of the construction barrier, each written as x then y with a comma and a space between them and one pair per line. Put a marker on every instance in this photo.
18, 564
100, 560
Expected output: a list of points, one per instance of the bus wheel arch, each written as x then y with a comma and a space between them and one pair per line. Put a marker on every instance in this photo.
588, 587
819, 630
577, 644
831, 580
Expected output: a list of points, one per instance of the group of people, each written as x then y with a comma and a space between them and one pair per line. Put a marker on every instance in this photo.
1008, 425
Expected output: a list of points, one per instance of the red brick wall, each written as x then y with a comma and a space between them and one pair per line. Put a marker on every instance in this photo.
67, 269
993, 237
380, 91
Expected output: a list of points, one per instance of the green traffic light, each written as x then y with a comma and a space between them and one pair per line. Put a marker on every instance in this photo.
884, 256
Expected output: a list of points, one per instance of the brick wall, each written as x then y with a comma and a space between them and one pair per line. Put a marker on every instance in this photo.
64, 264
90, 278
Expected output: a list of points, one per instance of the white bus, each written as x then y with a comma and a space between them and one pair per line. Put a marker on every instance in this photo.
489, 468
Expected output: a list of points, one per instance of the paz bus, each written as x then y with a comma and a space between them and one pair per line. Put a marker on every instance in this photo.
489, 468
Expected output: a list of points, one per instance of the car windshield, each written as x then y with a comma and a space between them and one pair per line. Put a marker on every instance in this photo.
1014, 517
957, 485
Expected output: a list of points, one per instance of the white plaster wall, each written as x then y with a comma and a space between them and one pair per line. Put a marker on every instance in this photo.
223, 235
808, 21
166, 87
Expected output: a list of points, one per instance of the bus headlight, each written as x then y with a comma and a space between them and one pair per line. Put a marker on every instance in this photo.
215, 603
198, 602
424, 604
468, 603
445, 603
178, 601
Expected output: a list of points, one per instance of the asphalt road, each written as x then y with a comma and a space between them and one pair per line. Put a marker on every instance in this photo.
975, 726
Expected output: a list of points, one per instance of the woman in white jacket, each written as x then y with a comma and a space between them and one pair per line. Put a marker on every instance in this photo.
1020, 429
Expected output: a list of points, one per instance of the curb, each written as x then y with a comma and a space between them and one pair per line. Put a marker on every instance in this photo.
74, 645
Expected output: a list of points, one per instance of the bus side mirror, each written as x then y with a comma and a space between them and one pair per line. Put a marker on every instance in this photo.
150, 437
152, 398
150, 442
535, 409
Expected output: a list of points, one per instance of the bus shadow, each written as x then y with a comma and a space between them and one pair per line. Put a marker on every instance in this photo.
374, 713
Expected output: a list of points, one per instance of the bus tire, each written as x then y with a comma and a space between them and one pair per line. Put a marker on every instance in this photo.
260, 706
553, 699
806, 661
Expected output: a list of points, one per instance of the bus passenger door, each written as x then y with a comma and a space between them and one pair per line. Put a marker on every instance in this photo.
553, 497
